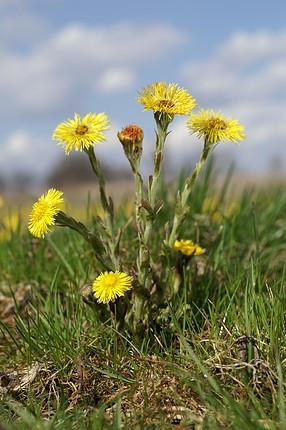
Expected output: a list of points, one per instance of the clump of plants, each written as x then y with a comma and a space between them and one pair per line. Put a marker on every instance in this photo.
141, 293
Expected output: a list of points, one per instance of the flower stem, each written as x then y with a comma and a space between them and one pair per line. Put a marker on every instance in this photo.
101, 182
161, 134
106, 204
182, 208
144, 258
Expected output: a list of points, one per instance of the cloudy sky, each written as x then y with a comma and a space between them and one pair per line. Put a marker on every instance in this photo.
58, 57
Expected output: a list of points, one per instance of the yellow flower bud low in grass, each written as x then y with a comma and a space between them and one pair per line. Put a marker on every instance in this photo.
188, 247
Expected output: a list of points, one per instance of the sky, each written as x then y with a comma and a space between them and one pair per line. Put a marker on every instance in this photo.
58, 57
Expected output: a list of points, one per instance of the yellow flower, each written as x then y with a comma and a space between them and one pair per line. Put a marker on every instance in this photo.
11, 221
215, 127
81, 133
44, 212
188, 247
166, 98
9, 225
110, 285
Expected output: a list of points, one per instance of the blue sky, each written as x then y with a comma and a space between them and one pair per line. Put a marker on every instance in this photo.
58, 57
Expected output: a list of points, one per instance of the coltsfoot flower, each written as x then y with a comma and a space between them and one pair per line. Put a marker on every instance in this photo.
131, 138
131, 135
44, 212
110, 285
215, 127
188, 247
81, 133
166, 98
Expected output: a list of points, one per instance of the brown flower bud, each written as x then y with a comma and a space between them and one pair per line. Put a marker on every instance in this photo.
131, 138
131, 135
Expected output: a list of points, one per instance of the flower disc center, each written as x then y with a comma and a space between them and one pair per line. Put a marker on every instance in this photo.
166, 104
217, 124
81, 129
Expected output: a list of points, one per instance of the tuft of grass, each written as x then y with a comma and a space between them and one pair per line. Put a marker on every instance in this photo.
217, 360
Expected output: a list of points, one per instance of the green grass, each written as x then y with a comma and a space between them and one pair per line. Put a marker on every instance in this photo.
217, 360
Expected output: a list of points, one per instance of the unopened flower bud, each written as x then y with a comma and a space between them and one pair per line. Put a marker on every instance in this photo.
131, 135
131, 138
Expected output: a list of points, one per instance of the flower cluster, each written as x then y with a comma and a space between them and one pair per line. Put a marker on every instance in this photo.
81, 134
173, 100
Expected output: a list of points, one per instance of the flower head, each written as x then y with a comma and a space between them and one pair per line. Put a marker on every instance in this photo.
166, 98
81, 133
131, 138
44, 212
131, 135
110, 285
188, 247
215, 127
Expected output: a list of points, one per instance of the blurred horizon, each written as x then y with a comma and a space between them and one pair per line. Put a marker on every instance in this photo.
57, 59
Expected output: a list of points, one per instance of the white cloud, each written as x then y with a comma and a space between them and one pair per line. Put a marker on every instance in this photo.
17, 143
245, 77
245, 66
115, 79
77, 59
248, 48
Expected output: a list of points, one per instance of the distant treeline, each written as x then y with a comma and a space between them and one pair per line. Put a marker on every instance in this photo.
76, 169
71, 170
